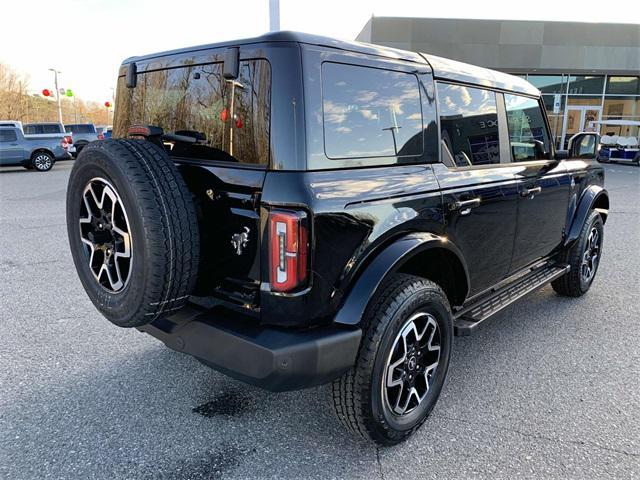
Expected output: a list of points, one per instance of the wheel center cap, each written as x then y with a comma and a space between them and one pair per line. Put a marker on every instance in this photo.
412, 363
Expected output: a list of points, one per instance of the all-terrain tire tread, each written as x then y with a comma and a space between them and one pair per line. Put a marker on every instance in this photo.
349, 393
170, 225
569, 285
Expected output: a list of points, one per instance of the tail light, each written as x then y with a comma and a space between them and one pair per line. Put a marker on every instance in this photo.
65, 142
288, 250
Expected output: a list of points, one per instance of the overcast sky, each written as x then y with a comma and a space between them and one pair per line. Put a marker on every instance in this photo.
87, 39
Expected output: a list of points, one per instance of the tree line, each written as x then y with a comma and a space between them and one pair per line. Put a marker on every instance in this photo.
16, 103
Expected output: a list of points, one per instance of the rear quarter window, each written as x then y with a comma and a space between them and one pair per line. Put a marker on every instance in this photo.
370, 112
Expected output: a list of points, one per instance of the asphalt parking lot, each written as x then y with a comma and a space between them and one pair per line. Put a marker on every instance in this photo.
548, 388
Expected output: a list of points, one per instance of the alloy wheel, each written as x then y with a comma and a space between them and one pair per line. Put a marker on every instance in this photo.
412, 364
42, 161
591, 256
106, 235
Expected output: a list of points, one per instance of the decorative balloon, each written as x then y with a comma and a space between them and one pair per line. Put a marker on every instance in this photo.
107, 104
224, 115
69, 93
46, 92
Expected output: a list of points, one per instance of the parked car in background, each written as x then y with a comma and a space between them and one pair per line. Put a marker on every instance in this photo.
37, 152
108, 132
102, 131
82, 134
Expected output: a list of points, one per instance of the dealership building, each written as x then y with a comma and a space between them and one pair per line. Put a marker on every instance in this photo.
587, 72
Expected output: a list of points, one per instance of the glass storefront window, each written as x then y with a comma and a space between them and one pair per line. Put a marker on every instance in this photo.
623, 86
585, 85
547, 83
618, 107
591, 100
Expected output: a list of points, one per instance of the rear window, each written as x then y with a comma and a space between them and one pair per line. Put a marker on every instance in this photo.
82, 128
7, 135
229, 120
370, 112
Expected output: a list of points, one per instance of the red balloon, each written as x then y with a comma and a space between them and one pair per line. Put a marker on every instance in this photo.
224, 115
107, 104
46, 92
239, 123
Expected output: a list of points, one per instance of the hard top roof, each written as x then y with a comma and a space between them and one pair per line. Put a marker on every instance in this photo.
442, 68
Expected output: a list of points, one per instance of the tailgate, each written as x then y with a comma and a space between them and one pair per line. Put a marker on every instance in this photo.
228, 201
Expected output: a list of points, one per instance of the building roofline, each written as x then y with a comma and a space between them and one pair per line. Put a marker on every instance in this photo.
514, 20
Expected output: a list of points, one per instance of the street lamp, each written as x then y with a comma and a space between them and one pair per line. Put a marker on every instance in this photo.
55, 74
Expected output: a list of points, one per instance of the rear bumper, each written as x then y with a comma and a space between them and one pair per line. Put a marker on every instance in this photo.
272, 358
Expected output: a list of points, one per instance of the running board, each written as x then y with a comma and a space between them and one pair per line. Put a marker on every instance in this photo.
467, 319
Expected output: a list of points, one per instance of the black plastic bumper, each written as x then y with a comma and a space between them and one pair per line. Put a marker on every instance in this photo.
272, 358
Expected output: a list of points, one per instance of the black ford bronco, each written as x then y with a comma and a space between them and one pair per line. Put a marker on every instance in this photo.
294, 210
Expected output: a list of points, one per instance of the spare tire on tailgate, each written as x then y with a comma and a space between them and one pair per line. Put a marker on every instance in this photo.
133, 230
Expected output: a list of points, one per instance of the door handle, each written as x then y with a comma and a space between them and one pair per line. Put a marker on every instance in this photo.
464, 206
530, 191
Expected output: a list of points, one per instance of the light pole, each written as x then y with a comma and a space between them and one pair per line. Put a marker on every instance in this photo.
274, 15
55, 75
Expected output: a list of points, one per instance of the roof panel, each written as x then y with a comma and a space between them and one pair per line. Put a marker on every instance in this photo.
446, 69
287, 36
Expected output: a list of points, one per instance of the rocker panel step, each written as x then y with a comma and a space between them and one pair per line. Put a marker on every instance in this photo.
470, 317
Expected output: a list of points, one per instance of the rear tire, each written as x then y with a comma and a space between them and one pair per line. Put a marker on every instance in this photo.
577, 281
42, 161
371, 399
132, 230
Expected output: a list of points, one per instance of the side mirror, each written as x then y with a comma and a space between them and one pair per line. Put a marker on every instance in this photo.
584, 145
562, 154
538, 146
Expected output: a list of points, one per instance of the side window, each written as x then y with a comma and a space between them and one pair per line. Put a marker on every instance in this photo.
370, 112
50, 129
7, 135
468, 125
32, 129
528, 136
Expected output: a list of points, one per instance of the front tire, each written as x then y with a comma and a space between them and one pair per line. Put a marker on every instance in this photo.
583, 257
402, 363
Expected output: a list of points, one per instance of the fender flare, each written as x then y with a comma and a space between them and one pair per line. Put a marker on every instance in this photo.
593, 197
385, 263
